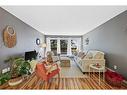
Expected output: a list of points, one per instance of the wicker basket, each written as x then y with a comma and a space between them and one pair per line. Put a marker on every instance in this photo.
15, 81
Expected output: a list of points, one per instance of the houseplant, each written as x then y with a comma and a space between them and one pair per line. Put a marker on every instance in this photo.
19, 67
4, 78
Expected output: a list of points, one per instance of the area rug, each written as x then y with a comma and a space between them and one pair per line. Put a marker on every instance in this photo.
72, 72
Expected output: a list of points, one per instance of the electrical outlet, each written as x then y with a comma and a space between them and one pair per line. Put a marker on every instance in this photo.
115, 67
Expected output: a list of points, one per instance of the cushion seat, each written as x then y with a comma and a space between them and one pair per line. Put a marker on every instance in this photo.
53, 73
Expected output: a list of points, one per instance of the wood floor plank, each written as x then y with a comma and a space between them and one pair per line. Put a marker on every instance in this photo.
65, 83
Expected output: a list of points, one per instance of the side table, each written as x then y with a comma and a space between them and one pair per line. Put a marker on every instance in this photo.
99, 69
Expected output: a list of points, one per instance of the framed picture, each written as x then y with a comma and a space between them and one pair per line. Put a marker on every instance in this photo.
86, 41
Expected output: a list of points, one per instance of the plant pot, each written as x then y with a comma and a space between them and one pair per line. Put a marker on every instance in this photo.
15, 81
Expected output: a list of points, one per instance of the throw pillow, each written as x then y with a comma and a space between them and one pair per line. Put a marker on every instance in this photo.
49, 59
50, 68
79, 54
33, 64
98, 55
83, 55
89, 56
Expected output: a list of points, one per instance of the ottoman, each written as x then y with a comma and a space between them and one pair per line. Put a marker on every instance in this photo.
65, 62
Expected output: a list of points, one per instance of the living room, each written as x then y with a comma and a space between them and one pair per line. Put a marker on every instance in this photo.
87, 51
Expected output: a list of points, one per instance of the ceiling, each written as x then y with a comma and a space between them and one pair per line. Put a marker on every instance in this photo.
65, 20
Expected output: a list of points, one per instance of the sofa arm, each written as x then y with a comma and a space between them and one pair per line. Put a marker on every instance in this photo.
92, 61
84, 63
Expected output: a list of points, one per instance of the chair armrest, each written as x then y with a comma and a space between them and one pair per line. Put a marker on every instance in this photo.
56, 65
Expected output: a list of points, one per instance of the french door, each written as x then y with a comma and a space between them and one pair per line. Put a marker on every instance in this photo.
63, 46
53, 44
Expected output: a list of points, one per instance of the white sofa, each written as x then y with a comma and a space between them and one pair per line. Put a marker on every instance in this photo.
92, 57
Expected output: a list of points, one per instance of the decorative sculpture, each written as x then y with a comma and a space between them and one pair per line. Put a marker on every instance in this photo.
9, 37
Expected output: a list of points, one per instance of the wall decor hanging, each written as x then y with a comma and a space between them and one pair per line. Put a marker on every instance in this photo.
38, 41
9, 37
86, 41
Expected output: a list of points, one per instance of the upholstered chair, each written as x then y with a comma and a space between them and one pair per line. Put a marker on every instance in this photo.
41, 73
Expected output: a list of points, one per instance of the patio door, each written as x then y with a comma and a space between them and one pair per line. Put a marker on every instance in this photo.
63, 46
54, 46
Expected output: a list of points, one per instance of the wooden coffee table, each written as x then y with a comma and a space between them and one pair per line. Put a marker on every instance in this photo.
65, 62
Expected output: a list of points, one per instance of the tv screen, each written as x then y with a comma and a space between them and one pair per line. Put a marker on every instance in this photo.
30, 55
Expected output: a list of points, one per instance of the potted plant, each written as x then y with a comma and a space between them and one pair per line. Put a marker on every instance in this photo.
4, 77
18, 68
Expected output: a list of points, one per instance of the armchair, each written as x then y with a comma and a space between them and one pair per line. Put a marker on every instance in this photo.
41, 73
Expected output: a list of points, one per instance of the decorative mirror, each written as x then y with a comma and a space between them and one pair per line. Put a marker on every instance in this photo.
38, 41
9, 37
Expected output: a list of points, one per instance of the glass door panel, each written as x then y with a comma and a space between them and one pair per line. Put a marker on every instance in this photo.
63, 46
54, 46
73, 46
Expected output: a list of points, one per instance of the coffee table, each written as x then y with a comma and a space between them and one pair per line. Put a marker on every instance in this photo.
64, 62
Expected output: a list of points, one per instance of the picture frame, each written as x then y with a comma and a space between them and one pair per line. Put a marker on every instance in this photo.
86, 41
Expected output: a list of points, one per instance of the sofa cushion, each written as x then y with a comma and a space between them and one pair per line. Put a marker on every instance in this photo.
80, 53
89, 55
83, 56
50, 53
49, 59
98, 55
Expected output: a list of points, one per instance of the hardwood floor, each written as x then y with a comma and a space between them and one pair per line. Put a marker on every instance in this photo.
65, 83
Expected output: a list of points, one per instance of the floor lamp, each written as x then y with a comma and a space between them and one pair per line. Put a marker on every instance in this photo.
44, 46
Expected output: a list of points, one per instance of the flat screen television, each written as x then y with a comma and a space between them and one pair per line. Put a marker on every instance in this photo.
30, 55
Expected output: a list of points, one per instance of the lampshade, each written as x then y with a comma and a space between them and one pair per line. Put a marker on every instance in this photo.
43, 45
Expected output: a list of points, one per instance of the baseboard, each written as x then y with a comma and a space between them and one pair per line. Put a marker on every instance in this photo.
109, 69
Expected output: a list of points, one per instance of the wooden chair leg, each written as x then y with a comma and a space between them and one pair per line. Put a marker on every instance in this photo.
46, 84
37, 79
58, 80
